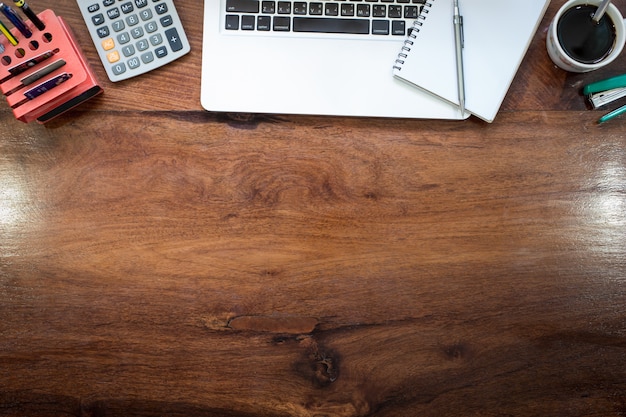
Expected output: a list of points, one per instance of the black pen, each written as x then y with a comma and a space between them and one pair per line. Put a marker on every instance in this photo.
30, 14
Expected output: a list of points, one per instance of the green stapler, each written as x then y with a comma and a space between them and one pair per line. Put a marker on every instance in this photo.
605, 92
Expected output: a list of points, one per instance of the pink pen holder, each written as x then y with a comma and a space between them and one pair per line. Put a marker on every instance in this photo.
47, 74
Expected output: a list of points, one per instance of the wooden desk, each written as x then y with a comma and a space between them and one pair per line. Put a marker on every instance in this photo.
159, 260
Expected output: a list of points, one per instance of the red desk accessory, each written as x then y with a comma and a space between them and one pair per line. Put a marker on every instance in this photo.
46, 74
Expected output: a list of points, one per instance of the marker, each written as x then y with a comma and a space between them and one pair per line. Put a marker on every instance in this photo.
46, 86
48, 69
16, 20
30, 14
612, 114
43, 88
36, 76
8, 34
26, 65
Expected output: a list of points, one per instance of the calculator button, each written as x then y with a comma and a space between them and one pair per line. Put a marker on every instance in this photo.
151, 27
134, 63
93, 8
113, 56
142, 45
103, 32
98, 19
137, 32
123, 38
113, 13
108, 44
146, 15
118, 25
147, 58
132, 20
166, 21
119, 68
108, 3
172, 37
161, 52
156, 39
161, 8
127, 7
141, 3
128, 50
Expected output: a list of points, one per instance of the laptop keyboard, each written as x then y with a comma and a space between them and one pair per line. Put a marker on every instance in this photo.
358, 17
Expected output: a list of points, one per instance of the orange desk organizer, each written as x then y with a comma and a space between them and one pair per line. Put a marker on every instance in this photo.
70, 84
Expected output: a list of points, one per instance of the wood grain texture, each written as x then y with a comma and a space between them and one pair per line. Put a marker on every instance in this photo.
160, 260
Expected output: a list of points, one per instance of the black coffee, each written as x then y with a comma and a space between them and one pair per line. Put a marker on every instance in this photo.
583, 39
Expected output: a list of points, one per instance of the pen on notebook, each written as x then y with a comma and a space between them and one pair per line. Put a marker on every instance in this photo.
16, 20
7, 33
611, 115
30, 14
458, 40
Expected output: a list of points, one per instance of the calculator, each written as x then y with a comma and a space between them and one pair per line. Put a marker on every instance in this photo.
134, 36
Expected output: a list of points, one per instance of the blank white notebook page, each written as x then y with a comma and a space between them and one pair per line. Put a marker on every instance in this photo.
496, 34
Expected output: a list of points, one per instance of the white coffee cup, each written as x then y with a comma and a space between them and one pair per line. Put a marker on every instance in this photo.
568, 63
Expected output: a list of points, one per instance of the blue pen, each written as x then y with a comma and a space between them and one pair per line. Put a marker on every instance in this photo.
612, 114
16, 20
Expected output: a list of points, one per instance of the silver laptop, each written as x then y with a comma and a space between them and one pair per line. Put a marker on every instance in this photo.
311, 57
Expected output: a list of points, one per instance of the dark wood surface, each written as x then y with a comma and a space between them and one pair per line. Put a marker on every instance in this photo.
157, 259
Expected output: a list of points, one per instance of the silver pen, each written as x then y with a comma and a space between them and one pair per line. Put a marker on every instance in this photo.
458, 40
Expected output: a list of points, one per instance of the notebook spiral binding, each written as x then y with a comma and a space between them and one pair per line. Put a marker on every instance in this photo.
408, 43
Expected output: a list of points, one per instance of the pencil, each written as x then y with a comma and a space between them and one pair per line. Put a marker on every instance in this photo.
8, 34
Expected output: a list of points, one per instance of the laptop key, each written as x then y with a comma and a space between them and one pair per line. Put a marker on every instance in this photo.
380, 27
284, 7
281, 24
316, 9
248, 21
263, 23
242, 6
398, 27
269, 7
331, 25
232, 22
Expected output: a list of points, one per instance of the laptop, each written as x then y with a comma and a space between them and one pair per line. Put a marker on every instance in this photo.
311, 57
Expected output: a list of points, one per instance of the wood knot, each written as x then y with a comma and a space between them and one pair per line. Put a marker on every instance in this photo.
326, 370
457, 351
321, 364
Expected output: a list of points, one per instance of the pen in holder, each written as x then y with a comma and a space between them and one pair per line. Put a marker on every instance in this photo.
45, 74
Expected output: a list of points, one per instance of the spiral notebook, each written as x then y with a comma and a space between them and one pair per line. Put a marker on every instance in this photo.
497, 34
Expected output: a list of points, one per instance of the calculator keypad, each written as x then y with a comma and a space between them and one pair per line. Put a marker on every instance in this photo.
134, 36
